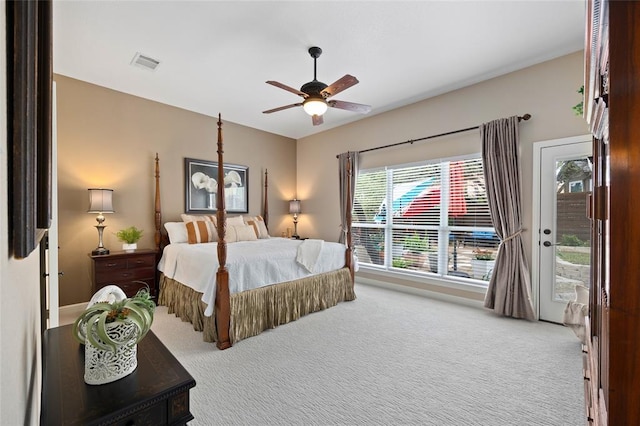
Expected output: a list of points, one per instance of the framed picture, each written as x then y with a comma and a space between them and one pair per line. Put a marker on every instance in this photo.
201, 187
29, 100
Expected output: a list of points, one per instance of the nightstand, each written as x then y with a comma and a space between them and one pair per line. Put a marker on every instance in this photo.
130, 271
156, 393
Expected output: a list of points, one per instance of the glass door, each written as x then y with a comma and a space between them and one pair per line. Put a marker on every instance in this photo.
565, 230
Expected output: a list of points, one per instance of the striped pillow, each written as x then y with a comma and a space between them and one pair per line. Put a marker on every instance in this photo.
201, 231
197, 217
258, 226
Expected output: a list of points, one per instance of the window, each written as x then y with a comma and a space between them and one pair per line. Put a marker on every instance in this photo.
430, 218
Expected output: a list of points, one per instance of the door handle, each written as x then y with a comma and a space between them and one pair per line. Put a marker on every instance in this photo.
549, 244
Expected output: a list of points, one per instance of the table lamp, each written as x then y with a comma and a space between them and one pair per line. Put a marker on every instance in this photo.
294, 209
100, 201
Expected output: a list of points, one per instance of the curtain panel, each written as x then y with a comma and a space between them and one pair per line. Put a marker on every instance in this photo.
509, 291
343, 160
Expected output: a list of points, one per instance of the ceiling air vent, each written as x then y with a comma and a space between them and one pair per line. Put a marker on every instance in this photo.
146, 62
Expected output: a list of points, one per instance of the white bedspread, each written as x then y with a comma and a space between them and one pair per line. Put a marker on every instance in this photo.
251, 264
309, 253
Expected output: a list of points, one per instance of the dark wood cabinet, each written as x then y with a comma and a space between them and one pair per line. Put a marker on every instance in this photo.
156, 393
612, 108
130, 271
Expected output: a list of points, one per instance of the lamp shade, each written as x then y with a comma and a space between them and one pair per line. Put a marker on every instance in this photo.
294, 206
100, 200
315, 106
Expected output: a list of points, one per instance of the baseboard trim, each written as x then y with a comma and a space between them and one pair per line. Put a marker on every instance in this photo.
422, 292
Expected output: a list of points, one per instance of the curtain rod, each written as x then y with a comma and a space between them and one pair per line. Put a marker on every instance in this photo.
524, 117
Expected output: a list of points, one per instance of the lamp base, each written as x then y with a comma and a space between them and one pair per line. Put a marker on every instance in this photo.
100, 251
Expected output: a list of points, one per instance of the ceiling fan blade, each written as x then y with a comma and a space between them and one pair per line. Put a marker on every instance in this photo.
269, 111
340, 85
287, 88
317, 120
350, 106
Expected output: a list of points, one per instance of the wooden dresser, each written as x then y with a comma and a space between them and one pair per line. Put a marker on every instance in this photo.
130, 271
156, 393
612, 109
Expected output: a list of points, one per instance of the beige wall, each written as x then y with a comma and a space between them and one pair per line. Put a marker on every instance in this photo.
547, 91
20, 361
109, 139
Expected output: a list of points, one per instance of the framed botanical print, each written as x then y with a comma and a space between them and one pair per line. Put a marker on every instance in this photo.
201, 187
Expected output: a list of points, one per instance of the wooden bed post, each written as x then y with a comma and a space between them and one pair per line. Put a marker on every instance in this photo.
222, 303
155, 292
265, 209
158, 212
349, 251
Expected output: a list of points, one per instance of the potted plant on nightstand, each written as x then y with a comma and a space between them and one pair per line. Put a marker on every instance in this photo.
110, 328
482, 263
129, 237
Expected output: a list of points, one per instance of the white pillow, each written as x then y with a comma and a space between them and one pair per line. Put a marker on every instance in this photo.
177, 232
244, 233
230, 236
235, 221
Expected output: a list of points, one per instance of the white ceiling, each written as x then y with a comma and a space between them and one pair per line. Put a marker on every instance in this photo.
216, 55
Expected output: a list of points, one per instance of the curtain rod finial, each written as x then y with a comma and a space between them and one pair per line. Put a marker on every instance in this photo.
526, 117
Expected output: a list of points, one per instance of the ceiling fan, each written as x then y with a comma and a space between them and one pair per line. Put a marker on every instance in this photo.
316, 94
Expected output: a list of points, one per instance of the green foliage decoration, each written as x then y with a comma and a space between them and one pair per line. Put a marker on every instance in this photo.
415, 243
137, 310
578, 109
130, 235
483, 254
572, 241
399, 262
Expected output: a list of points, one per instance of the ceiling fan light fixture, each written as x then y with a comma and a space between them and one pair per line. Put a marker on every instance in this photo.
315, 106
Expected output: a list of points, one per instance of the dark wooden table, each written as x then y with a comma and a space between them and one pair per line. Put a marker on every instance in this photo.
156, 393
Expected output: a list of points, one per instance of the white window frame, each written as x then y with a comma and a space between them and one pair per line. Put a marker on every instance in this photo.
443, 229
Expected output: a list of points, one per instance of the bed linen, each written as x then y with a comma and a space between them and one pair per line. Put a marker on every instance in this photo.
251, 264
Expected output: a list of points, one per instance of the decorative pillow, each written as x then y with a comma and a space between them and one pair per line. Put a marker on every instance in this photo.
235, 221
230, 235
201, 231
177, 232
244, 233
264, 232
197, 217
258, 226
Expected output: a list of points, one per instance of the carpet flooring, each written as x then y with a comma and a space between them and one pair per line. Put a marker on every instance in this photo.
387, 358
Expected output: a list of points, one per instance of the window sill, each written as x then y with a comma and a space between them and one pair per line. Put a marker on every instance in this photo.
438, 287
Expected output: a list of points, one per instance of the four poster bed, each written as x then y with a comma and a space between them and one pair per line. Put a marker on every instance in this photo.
255, 283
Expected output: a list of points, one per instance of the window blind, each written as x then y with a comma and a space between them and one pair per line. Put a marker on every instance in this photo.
430, 218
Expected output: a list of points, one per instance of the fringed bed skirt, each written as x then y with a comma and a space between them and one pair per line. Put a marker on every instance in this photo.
256, 310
